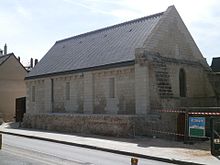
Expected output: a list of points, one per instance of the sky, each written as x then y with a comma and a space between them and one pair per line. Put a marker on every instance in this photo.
31, 27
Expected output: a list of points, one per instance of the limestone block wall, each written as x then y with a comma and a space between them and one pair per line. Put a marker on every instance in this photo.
197, 83
75, 104
59, 94
172, 39
37, 104
155, 100
164, 81
198, 87
103, 124
88, 93
101, 96
43, 101
123, 101
125, 83
109, 125
142, 87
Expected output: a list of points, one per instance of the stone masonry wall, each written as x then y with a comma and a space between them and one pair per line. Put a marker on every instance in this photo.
75, 103
107, 125
172, 39
197, 83
43, 95
89, 93
38, 104
124, 101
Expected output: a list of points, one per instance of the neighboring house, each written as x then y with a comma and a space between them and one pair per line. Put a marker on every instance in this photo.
12, 84
215, 78
125, 73
216, 64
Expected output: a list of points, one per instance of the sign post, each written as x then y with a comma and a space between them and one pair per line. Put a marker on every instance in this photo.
197, 127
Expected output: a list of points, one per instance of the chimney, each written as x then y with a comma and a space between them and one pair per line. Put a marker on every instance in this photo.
19, 59
31, 63
35, 62
1, 52
5, 49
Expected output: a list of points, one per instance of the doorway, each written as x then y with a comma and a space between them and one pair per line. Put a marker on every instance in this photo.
20, 109
181, 126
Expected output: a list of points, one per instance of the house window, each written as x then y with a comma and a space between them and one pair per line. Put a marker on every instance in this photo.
67, 90
182, 83
33, 93
112, 87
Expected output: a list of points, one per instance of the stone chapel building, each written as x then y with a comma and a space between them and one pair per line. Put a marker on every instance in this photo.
116, 80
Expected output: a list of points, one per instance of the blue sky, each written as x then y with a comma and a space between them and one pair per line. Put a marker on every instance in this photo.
31, 27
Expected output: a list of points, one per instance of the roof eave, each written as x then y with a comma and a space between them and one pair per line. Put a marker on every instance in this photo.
107, 66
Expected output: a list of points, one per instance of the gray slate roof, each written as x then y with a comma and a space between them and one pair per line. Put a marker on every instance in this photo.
3, 58
115, 44
216, 64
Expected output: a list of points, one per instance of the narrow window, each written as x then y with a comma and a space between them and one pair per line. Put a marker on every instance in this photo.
112, 87
52, 90
182, 83
33, 93
67, 90
52, 95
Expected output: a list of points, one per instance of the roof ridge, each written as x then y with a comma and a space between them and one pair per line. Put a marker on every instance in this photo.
5, 55
113, 26
215, 57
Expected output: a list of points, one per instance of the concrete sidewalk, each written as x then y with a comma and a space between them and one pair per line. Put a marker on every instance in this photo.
157, 149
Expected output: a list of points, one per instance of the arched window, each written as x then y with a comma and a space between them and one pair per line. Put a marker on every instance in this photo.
182, 83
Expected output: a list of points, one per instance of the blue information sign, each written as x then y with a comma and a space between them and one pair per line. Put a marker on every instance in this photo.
197, 126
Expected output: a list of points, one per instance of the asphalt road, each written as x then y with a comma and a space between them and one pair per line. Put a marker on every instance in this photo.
19, 150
